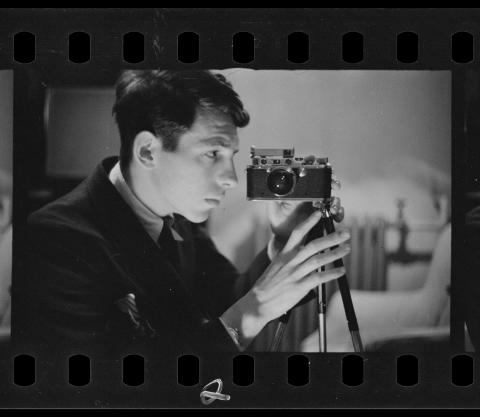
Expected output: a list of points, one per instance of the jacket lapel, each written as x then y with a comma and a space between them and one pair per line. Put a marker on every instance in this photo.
137, 258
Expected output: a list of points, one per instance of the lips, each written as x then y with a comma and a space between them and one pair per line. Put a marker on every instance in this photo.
213, 201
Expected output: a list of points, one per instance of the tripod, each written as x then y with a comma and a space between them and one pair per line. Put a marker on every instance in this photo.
325, 225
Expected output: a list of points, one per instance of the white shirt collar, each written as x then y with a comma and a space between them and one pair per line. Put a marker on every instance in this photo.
152, 223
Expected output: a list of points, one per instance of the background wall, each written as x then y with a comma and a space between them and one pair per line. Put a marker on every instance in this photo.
80, 130
6, 120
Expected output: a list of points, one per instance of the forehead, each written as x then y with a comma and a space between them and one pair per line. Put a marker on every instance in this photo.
211, 128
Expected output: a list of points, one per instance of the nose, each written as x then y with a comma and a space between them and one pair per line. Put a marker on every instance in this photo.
228, 177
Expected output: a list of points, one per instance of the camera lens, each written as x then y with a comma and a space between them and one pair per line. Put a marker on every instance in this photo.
280, 182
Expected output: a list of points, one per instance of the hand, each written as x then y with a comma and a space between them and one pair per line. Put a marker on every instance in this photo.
290, 276
285, 215
293, 272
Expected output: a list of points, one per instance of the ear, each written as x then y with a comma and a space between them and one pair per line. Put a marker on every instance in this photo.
144, 146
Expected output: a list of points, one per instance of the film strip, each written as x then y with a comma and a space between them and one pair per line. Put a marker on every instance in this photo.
53, 54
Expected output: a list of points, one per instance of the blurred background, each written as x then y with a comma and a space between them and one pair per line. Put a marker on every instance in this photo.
6, 164
387, 135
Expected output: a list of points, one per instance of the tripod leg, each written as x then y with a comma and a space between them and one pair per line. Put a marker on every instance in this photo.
321, 297
345, 293
279, 331
322, 318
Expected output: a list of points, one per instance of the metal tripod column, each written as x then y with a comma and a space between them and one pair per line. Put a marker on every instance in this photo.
322, 317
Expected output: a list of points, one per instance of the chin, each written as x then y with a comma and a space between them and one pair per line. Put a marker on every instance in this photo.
197, 217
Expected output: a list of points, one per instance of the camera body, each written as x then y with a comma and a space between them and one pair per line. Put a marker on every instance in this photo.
276, 174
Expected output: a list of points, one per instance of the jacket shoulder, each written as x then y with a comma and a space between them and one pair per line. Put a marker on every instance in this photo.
72, 216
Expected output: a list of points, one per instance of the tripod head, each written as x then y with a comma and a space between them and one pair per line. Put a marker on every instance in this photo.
325, 223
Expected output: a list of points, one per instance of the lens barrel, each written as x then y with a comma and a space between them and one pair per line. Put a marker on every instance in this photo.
281, 182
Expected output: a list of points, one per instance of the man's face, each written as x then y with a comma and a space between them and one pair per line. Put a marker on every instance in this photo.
194, 178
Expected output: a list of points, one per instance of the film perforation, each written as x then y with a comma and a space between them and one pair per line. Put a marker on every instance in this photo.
188, 50
243, 370
298, 370
243, 44
133, 370
462, 47
352, 370
407, 370
24, 370
298, 47
188, 370
407, 47
133, 47
79, 47
462, 370
24, 47
79, 370
352, 47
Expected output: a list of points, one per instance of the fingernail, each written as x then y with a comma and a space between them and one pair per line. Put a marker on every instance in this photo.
342, 270
347, 247
345, 233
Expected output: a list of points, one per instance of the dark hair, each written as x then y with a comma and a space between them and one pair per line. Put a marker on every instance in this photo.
165, 103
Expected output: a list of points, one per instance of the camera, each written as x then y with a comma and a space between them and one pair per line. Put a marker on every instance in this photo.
276, 174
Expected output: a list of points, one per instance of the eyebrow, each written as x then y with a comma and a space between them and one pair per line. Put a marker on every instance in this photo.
218, 141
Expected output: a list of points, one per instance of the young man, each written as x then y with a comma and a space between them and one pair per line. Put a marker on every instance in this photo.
122, 264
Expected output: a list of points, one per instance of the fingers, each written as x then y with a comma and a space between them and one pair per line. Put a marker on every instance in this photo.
301, 231
317, 278
321, 244
315, 262
335, 205
339, 215
338, 212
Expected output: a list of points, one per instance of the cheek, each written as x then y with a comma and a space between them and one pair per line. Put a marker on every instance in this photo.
189, 181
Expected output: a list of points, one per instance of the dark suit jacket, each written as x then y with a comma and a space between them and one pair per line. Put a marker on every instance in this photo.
87, 250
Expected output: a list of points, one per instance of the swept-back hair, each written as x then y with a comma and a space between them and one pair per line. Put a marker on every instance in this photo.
165, 103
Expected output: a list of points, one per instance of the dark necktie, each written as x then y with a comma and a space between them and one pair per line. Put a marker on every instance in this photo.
168, 243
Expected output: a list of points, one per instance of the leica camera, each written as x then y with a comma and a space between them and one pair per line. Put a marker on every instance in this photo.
276, 174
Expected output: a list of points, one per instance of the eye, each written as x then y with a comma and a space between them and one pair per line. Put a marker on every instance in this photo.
212, 154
